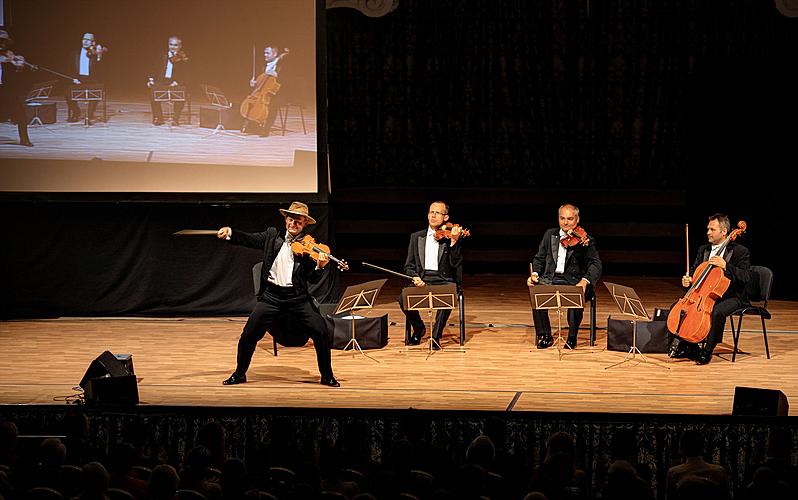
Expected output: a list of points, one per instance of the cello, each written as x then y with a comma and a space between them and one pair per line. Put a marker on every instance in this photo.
255, 106
691, 317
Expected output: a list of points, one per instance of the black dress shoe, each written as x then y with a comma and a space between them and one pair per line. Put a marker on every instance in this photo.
545, 341
157, 121
26, 142
570, 343
235, 379
436, 344
684, 350
414, 339
73, 118
329, 381
703, 358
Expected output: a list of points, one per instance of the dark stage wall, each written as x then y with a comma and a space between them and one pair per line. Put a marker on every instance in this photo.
689, 95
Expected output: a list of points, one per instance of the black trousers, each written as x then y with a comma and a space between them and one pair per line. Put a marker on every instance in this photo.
723, 308
13, 106
540, 317
441, 317
277, 301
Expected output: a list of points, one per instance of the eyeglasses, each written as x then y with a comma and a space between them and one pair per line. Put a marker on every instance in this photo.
435, 212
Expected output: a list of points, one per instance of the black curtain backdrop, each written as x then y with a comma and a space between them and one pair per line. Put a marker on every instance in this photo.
562, 93
90, 259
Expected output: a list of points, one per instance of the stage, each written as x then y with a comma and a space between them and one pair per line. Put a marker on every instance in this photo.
182, 361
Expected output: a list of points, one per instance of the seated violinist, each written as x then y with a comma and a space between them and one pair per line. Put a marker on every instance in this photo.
432, 261
566, 256
86, 64
735, 261
171, 70
264, 88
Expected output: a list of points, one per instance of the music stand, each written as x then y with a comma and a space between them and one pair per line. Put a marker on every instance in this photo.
630, 304
219, 102
559, 297
430, 298
170, 95
38, 93
87, 92
357, 297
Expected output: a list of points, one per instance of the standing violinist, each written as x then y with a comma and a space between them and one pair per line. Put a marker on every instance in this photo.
433, 261
271, 68
86, 65
171, 70
566, 256
12, 88
735, 261
283, 291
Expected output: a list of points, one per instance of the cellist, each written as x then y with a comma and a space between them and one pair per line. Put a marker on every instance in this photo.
271, 67
735, 261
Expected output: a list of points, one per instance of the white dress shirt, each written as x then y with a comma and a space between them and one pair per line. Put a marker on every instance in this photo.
84, 62
561, 252
283, 267
431, 251
169, 66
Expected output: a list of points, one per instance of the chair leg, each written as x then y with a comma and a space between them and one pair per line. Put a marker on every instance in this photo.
462, 320
593, 320
765, 335
274, 341
407, 331
736, 334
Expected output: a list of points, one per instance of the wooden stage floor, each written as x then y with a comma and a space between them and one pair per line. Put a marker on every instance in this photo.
182, 361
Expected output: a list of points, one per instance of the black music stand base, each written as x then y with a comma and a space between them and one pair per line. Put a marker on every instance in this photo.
355, 346
634, 351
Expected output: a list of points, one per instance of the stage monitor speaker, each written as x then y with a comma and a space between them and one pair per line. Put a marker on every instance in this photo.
230, 118
652, 336
370, 333
759, 402
110, 380
44, 111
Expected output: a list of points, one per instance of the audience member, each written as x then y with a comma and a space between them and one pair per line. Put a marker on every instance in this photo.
691, 446
163, 483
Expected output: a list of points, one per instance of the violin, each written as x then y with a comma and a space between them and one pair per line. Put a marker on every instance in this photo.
691, 316
445, 231
15, 59
178, 56
255, 106
574, 237
96, 50
308, 246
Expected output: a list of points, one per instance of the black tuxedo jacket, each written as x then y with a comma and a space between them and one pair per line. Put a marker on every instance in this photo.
738, 267
180, 71
95, 67
270, 241
580, 261
450, 258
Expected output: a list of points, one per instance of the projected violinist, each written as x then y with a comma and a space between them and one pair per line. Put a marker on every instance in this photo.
567, 255
12, 88
260, 107
721, 262
86, 65
433, 260
171, 70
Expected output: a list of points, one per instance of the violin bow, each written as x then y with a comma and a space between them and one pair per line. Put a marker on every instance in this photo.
387, 271
687, 248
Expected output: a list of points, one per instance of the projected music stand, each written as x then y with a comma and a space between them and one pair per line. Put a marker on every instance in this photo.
630, 304
430, 298
557, 297
39, 92
170, 95
219, 102
88, 92
357, 297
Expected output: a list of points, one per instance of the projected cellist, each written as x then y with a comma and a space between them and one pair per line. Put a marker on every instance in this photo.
734, 261
259, 109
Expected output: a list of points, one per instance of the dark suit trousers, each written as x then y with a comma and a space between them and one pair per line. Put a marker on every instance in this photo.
540, 317
441, 317
157, 110
74, 108
13, 106
274, 302
723, 308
